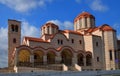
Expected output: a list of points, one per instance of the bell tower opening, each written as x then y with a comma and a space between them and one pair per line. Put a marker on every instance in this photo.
14, 39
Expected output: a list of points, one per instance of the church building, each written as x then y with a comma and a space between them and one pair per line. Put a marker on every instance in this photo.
87, 46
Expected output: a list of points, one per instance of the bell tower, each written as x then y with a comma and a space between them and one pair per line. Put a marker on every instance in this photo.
14, 39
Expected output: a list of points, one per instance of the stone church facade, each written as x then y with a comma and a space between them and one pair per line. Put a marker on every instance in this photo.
87, 46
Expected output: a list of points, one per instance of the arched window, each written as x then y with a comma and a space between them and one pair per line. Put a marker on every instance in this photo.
12, 28
43, 30
80, 59
53, 30
61, 42
85, 22
14, 40
80, 41
98, 59
96, 43
110, 54
48, 30
16, 28
72, 40
58, 41
35, 56
88, 60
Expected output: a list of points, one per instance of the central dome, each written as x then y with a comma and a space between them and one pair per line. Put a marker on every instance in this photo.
84, 20
84, 14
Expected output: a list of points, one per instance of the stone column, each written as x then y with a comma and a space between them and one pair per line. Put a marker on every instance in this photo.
75, 23
58, 59
78, 24
32, 60
84, 59
55, 30
45, 30
50, 30
83, 23
74, 59
88, 22
93, 22
16, 58
16, 61
44, 59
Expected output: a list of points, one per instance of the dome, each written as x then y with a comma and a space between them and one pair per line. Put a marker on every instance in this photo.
51, 24
84, 14
49, 28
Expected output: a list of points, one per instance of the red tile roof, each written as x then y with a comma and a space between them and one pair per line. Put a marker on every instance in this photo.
34, 39
72, 32
90, 30
106, 27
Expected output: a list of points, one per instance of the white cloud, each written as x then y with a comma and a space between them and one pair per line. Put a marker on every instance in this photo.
116, 26
27, 30
24, 5
97, 5
3, 47
63, 25
118, 36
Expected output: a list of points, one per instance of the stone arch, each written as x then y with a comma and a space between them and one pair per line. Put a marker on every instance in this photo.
12, 28
16, 28
51, 57
60, 49
88, 52
14, 40
80, 59
24, 57
47, 27
38, 57
39, 48
24, 47
66, 56
88, 59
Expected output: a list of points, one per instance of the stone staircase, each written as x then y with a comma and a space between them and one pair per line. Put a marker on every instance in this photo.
50, 67
74, 68
57, 67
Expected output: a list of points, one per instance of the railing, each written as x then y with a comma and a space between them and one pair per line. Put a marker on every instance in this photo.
26, 64
41, 65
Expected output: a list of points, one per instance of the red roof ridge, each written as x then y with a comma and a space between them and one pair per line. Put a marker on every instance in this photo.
71, 31
35, 39
106, 27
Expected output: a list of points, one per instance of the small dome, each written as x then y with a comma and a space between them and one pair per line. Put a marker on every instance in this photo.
51, 24
84, 14
49, 28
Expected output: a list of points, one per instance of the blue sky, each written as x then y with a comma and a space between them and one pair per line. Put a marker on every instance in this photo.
35, 13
